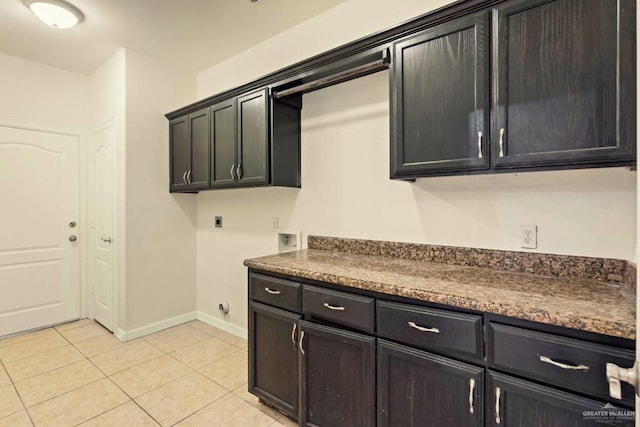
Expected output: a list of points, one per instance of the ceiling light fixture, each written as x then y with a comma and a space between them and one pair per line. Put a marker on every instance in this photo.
55, 13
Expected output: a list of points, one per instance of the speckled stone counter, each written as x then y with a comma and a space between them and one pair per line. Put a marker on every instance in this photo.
573, 302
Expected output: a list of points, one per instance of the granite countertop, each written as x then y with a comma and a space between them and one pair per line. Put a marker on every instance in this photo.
573, 302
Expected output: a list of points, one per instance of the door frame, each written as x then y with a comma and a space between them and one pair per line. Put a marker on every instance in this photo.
83, 223
89, 163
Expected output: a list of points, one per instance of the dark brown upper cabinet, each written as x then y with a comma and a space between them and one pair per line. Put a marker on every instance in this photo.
439, 99
255, 141
249, 140
562, 90
252, 149
223, 144
189, 142
240, 141
564, 83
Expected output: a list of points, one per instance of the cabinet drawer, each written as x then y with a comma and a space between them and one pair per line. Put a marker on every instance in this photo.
338, 307
430, 328
570, 363
274, 291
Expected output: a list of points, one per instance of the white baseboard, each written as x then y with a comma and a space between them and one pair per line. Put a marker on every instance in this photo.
221, 324
123, 335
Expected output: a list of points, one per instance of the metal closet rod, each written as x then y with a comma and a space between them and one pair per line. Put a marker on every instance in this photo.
340, 77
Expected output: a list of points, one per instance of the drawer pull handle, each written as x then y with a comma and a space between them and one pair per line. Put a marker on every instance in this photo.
498, 405
550, 361
293, 334
334, 307
272, 291
423, 329
472, 387
300, 342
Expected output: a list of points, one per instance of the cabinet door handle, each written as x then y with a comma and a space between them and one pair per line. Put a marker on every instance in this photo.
334, 307
232, 177
550, 361
184, 177
479, 144
423, 329
272, 291
498, 405
472, 388
616, 374
501, 153
189, 177
293, 334
300, 342
239, 171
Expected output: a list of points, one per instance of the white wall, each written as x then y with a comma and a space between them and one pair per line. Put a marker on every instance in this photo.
342, 24
161, 237
345, 186
37, 95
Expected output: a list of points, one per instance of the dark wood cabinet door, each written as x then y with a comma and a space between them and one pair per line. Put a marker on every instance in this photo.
439, 99
420, 389
337, 374
180, 153
253, 139
223, 144
273, 357
515, 402
564, 88
199, 135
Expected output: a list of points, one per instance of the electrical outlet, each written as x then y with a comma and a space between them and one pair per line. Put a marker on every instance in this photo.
218, 222
529, 236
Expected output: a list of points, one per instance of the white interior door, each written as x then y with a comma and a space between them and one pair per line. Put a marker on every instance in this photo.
103, 285
39, 201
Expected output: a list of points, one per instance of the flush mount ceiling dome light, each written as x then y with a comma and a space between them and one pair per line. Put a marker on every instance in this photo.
55, 13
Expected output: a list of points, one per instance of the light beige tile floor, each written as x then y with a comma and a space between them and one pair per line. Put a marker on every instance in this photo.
80, 374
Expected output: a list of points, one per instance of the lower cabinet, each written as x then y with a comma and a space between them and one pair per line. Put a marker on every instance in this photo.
322, 356
273, 365
515, 402
337, 374
416, 388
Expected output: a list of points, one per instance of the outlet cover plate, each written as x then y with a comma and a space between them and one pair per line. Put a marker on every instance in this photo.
529, 236
218, 222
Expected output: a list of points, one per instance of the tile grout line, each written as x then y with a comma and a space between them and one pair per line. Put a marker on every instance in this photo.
102, 413
40, 352
13, 385
50, 370
63, 394
155, 388
204, 407
192, 370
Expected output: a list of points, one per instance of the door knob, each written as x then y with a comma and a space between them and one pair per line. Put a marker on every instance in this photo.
108, 240
73, 238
